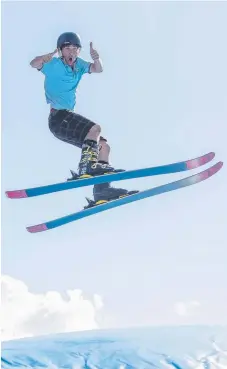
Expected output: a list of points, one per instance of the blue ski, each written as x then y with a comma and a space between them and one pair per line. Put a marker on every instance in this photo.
129, 174
126, 200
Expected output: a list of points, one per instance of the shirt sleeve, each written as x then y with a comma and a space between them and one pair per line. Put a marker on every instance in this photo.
83, 66
47, 67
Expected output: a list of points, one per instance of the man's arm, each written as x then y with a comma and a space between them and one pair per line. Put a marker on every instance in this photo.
40, 60
97, 66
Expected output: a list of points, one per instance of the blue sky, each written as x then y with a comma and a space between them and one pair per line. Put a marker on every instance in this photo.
161, 99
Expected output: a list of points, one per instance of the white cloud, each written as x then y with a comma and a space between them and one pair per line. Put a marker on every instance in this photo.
187, 309
25, 314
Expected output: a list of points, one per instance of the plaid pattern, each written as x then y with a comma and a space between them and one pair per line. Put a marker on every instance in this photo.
69, 126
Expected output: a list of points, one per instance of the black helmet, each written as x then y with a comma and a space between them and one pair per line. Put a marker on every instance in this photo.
68, 38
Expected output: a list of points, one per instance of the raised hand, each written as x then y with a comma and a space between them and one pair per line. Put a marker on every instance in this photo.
93, 52
49, 56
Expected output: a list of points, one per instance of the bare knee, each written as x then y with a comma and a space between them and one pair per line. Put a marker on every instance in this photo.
94, 133
96, 130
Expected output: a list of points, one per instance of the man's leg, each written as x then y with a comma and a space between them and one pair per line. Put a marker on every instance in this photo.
104, 151
104, 191
83, 133
94, 133
95, 155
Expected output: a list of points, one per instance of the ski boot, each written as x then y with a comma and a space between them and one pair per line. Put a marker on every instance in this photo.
104, 193
89, 165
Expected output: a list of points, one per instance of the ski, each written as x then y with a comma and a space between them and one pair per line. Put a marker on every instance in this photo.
199, 177
129, 174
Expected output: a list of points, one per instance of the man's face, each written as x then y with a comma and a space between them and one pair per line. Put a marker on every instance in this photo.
70, 53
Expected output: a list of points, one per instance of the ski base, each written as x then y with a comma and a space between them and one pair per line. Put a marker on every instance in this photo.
199, 177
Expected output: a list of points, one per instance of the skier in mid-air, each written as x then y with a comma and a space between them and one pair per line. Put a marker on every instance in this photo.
62, 76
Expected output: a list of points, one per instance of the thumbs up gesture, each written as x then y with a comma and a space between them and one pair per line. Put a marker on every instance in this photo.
49, 56
93, 52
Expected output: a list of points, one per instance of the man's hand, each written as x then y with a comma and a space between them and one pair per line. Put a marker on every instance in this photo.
40, 60
93, 52
96, 67
49, 56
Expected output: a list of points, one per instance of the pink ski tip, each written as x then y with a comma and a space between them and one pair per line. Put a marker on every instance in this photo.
18, 194
194, 163
211, 171
216, 167
209, 156
37, 228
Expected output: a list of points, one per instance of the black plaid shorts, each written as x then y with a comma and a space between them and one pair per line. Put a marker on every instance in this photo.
69, 127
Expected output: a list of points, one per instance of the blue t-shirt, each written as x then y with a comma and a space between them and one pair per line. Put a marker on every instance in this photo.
61, 82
